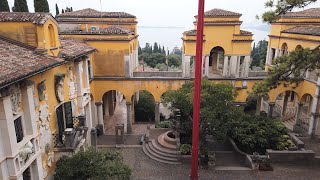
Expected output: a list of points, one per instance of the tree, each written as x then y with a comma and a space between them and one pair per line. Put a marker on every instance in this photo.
20, 6
281, 7
92, 164
144, 108
259, 54
62, 11
155, 48
57, 9
4, 6
174, 60
289, 69
163, 51
41, 6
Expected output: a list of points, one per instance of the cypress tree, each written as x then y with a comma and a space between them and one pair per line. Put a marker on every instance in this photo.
62, 11
155, 48
163, 51
41, 6
4, 6
20, 6
57, 9
71, 10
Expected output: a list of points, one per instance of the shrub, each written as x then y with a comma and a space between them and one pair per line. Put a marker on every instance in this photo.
92, 164
164, 124
185, 149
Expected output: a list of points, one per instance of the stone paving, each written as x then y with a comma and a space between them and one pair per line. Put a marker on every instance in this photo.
145, 168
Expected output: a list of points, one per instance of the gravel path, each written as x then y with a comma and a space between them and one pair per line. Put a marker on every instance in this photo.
145, 168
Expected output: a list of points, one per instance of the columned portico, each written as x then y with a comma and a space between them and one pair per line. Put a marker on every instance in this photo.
271, 107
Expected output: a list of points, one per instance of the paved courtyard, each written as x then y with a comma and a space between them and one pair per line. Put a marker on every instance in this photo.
145, 168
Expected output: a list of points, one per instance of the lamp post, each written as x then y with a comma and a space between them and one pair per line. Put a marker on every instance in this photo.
197, 91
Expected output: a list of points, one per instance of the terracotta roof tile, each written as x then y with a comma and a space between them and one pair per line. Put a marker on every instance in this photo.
242, 32
308, 13
112, 30
71, 49
19, 62
306, 30
192, 32
36, 18
95, 14
220, 13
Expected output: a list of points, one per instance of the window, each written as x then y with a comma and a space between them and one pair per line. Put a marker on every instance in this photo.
64, 118
52, 39
19, 129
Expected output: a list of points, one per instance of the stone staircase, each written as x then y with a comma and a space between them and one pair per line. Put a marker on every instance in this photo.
162, 150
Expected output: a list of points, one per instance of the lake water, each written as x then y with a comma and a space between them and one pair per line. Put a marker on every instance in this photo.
171, 36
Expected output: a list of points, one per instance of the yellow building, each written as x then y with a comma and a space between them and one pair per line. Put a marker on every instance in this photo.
226, 48
298, 106
45, 104
113, 34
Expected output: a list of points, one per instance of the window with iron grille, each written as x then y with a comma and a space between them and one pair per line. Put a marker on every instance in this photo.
19, 129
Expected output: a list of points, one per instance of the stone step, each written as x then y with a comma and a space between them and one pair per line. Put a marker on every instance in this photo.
158, 146
157, 159
159, 156
232, 168
163, 143
162, 151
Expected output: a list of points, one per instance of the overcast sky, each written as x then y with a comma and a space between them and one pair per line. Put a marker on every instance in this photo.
178, 13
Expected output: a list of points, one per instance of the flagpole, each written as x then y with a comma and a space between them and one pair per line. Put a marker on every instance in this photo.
197, 92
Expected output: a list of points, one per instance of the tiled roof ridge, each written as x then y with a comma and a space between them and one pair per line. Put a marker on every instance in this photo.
311, 12
35, 17
89, 12
216, 12
308, 30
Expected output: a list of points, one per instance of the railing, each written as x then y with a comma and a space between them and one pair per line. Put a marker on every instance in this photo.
312, 76
157, 74
303, 123
277, 110
258, 73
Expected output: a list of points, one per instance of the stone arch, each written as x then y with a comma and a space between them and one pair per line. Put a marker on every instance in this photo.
286, 102
284, 49
216, 60
110, 99
150, 111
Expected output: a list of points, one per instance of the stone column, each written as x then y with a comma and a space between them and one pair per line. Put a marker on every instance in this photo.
298, 113
246, 66
226, 66
285, 103
129, 122
36, 169
268, 56
259, 102
157, 112
315, 111
187, 66
29, 110
278, 51
100, 114
271, 107
183, 65
234, 66
206, 72
127, 66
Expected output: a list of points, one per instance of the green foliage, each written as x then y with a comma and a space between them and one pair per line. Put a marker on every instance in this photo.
259, 54
20, 6
92, 164
4, 6
174, 60
185, 149
161, 67
258, 133
156, 48
144, 108
281, 7
164, 124
41, 6
57, 9
289, 69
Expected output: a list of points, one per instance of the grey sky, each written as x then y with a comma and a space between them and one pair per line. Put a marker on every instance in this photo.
179, 13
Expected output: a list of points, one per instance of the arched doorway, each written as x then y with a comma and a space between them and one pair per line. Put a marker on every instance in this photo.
304, 113
286, 107
284, 49
216, 60
114, 110
144, 107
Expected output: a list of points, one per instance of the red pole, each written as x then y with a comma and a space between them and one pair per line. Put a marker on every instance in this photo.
197, 91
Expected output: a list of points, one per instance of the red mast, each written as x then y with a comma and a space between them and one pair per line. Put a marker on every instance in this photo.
197, 91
